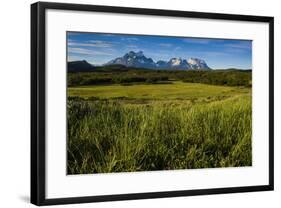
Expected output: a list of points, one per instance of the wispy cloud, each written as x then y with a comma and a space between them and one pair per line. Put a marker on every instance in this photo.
239, 45
232, 51
108, 35
211, 53
92, 43
130, 39
86, 51
70, 40
177, 48
102, 44
100, 47
196, 41
131, 46
73, 58
165, 44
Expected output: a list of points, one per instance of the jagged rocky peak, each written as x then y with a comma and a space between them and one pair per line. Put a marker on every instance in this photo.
161, 64
197, 63
178, 63
134, 54
139, 60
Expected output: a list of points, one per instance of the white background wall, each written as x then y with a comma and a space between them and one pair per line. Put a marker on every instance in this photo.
15, 103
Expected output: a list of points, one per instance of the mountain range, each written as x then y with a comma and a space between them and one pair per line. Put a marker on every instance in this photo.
139, 60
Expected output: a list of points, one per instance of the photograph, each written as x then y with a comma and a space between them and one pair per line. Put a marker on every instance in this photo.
153, 103
132, 103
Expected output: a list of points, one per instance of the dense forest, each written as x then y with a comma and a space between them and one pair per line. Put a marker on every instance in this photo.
118, 74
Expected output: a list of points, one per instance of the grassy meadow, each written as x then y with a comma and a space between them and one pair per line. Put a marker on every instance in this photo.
158, 121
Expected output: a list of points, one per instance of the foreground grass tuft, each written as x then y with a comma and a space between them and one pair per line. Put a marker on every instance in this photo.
108, 136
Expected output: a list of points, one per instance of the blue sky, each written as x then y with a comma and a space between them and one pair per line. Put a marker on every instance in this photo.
99, 48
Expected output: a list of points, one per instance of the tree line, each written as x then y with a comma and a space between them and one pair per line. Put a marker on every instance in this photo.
105, 76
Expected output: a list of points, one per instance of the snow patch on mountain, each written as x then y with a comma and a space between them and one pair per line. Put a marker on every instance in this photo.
139, 60
196, 63
175, 61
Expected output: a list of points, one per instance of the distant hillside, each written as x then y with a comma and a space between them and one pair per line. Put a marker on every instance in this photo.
79, 66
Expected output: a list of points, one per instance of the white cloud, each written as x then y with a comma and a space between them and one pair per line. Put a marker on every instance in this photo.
132, 46
196, 41
130, 39
177, 48
239, 45
166, 44
108, 35
86, 51
73, 58
92, 43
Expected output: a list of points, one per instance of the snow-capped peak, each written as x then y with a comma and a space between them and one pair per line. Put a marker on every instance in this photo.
134, 54
140, 53
176, 61
197, 63
139, 60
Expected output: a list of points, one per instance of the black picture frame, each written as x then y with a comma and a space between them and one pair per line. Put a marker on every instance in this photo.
38, 99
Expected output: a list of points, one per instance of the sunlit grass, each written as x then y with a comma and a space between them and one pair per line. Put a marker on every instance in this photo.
182, 126
176, 90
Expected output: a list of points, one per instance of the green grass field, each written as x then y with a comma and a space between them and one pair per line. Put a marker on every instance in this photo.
144, 127
177, 90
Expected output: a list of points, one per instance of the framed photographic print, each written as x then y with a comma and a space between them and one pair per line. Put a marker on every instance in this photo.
130, 103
